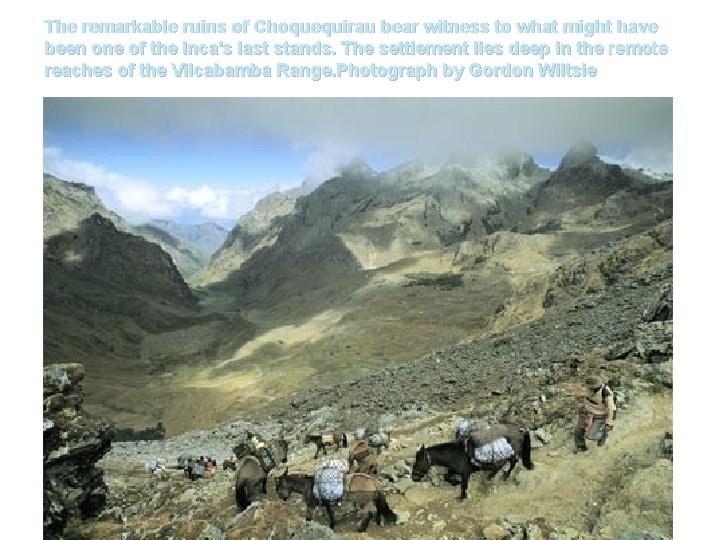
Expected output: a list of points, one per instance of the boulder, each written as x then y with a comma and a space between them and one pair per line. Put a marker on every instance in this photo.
72, 443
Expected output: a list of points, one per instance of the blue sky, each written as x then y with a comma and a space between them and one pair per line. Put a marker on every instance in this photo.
211, 159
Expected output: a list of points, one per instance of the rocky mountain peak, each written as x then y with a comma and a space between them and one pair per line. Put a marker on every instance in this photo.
65, 204
518, 163
581, 179
356, 167
580, 152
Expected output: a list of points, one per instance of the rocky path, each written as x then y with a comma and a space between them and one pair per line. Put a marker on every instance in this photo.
624, 486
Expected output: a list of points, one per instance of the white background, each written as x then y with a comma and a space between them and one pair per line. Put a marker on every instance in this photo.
684, 75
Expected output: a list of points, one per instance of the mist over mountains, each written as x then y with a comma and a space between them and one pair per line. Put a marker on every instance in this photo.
318, 281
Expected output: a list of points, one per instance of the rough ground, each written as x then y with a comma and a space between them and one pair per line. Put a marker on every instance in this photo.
623, 486
623, 490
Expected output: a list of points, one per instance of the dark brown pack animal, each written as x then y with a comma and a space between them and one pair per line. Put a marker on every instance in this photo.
517, 438
251, 476
336, 439
457, 456
266, 454
364, 457
360, 489
250, 480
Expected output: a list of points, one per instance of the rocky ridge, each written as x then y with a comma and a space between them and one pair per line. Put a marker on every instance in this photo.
377, 218
253, 231
67, 204
73, 487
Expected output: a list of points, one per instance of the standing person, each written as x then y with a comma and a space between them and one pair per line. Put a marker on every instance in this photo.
597, 414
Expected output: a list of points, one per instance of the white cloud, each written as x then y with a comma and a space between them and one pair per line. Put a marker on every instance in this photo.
324, 160
138, 200
412, 128
650, 159
215, 203
133, 198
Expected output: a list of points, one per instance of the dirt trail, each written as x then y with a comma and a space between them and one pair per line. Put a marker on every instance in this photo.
627, 484
581, 494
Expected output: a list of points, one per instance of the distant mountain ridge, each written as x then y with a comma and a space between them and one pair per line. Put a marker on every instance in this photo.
65, 204
371, 220
205, 237
188, 258
255, 229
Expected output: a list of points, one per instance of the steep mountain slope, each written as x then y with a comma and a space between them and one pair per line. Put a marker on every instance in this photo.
65, 204
108, 294
362, 221
609, 195
254, 230
94, 273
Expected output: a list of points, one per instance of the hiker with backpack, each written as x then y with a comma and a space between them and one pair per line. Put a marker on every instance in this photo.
597, 414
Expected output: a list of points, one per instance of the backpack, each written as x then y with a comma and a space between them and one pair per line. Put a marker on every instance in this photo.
330, 479
267, 462
493, 452
360, 450
462, 429
379, 439
607, 391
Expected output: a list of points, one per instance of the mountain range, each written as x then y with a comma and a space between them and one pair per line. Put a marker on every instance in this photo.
313, 287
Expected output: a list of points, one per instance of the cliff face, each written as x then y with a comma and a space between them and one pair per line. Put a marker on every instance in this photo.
73, 488
101, 287
66, 204
256, 229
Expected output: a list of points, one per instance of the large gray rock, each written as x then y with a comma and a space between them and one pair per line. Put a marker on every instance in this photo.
654, 341
72, 487
634, 534
313, 531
